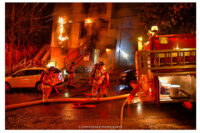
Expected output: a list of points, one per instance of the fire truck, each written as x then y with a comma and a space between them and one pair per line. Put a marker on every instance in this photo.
166, 68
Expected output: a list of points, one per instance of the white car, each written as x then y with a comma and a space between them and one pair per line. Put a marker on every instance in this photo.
30, 78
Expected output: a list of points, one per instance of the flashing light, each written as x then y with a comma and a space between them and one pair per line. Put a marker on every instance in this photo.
140, 43
140, 38
70, 21
154, 28
65, 72
52, 63
108, 50
88, 21
187, 105
177, 48
66, 94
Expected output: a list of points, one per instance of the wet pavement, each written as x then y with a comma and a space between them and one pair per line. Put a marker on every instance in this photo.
165, 116
106, 115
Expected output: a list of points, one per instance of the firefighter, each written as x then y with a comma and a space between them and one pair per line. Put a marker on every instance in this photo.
98, 79
47, 80
104, 84
71, 72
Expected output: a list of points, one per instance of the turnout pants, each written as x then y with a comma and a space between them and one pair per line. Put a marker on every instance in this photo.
46, 89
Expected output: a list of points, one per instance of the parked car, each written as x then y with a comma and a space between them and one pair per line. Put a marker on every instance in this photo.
30, 78
127, 76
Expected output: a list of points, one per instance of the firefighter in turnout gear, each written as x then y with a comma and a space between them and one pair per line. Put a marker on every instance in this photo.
104, 84
95, 67
99, 77
47, 80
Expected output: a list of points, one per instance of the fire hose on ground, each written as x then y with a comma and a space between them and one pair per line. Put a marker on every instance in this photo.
60, 100
75, 90
73, 100
62, 92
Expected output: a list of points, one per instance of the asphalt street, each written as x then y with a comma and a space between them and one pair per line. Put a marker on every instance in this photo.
104, 115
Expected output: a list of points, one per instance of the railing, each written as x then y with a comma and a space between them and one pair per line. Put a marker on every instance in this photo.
42, 52
77, 58
26, 64
167, 62
172, 58
19, 65
41, 59
76, 55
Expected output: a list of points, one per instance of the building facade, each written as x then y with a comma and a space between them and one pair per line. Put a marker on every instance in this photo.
79, 27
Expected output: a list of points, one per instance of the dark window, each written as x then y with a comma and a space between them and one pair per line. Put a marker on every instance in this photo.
83, 30
86, 8
101, 8
56, 70
33, 72
30, 72
20, 73
69, 27
103, 23
38, 72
